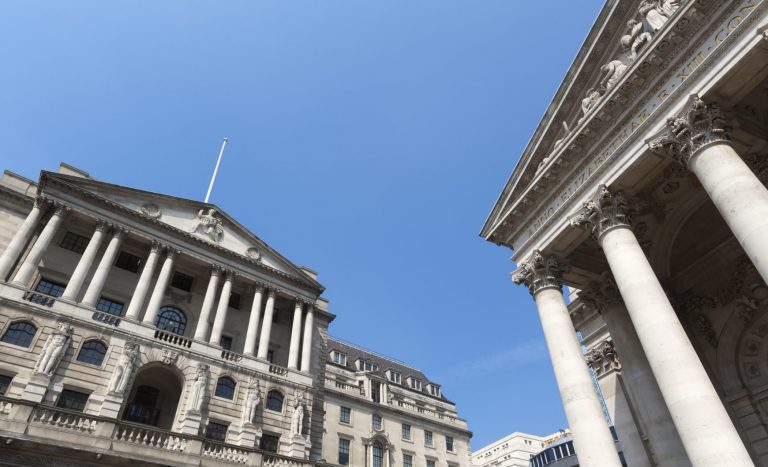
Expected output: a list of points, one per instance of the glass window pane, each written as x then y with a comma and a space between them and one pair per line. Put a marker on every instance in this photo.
20, 333
92, 352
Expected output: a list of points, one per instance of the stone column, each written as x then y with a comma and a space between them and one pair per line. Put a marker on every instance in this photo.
162, 283
699, 138
253, 321
12, 252
266, 327
592, 438
142, 287
201, 331
706, 431
84, 265
306, 349
293, 353
604, 298
221, 310
93, 294
28, 267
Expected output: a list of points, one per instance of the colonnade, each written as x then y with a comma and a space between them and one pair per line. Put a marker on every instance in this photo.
675, 390
165, 256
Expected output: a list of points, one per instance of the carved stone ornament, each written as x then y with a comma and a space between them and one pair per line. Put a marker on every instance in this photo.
600, 295
253, 253
124, 369
54, 349
604, 211
698, 126
297, 417
169, 357
539, 272
252, 401
151, 210
199, 387
694, 309
208, 224
603, 358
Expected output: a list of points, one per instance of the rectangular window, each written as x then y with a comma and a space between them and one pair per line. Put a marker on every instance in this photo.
72, 400
434, 390
449, 443
343, 451
128, 262
269, 443
407, 460
339, 358
430, 463
376, 423
234, 300
54, 289
416, 384
345, 416
395, 376
276, 315
427, 438
5, 383
406, 431
108, 306
216, 431
226, 342
74, 242
182, 281
271, 356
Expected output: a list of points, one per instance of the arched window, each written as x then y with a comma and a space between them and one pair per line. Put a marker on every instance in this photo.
20, 333
274, 401
172, 320
92, 352
225, 387
378, 454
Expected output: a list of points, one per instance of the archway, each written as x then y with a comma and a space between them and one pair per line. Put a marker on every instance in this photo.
154, 397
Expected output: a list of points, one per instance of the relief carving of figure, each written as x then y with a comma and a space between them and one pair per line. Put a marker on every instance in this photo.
54, 349
209, 224
635, 39
297, 418
123, 369
611, 73
653, 14
199, 387
252, 401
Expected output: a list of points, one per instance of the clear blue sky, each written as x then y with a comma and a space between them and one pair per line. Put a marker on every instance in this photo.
369, 140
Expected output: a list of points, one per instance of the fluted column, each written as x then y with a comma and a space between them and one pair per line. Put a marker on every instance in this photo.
253, 321
592, 438
306, 349
93, 293
159, 291
86, 261
293, 351
221, 310
142, 287
699, 138
604, 298
266, 326
706, 430
28, 267
14, 248
201, 331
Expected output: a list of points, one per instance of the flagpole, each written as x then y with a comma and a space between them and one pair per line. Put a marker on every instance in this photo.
215, 170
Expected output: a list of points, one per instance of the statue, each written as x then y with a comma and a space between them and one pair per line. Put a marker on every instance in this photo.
252, 401
209, 225
54, 349
592, 98
123, 369
635, 39
199, 387
611, 73
653, 14
297, 418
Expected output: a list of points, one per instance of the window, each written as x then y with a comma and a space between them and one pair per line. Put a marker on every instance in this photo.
128, 262
172, 320
430, 463
109, 306
345, 415
271, 356
54, 289
19, 333
378, 454
343, 451
74, 242
5, 383
72, 400
339, 358
449, 443
406, 431
367, 365
216, 431
274, 401
434, 390
395, 376
92, 352
376, 422
226, 342
407, 460
225, 387
234, 301
182, 281
427, 438
269, 443
415, 383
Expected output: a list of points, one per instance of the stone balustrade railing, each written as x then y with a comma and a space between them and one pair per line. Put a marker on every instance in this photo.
65, 419
145, 436
231, 356
39, 298
351, 388
278, 370
426, 411
271, 460
106, 318
225, 452
173, 339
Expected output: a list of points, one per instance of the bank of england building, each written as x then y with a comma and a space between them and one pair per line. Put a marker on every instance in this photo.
638, 216
138, 328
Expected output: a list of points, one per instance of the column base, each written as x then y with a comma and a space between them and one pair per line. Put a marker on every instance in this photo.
36, 388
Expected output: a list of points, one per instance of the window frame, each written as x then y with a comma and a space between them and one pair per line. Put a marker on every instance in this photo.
271, 437
5, 385
83, 348
107, 305
125, 260
429, 439
56, 287
345, 415
339, 358
222, 382
31, 342
75, 242
407, 432
450, 444
348, 453
183, 323
71, 392
374, 425
184, 280
217, 435
270, 398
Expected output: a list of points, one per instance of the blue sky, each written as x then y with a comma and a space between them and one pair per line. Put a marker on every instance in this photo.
369, 140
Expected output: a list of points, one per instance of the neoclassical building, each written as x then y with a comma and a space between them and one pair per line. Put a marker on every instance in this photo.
643, 190
138, 328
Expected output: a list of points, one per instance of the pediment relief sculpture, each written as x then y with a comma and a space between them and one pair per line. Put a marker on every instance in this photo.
151, 210
208, 224
253, 253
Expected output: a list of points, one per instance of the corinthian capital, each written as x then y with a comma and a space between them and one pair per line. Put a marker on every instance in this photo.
696, 127
539, 272
603, 212
600, 295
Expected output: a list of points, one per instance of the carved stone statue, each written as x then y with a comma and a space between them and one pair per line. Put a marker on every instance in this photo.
123, 369
297, 418
635, 39
54, 349
209, 225
653, 14
199, 387
611, 73
252, 401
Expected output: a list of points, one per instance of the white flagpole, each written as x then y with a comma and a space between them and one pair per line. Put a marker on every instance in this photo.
215, 170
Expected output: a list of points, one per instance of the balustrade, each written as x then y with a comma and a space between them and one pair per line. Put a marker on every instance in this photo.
39, 298
273, 460
150, 437
278, 370
231, 356
172, 338
64, 419
106, 318
225, 453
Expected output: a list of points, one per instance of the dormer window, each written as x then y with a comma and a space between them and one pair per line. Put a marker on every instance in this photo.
434, 389
339, 358
366, 365
395, 376
414, 383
